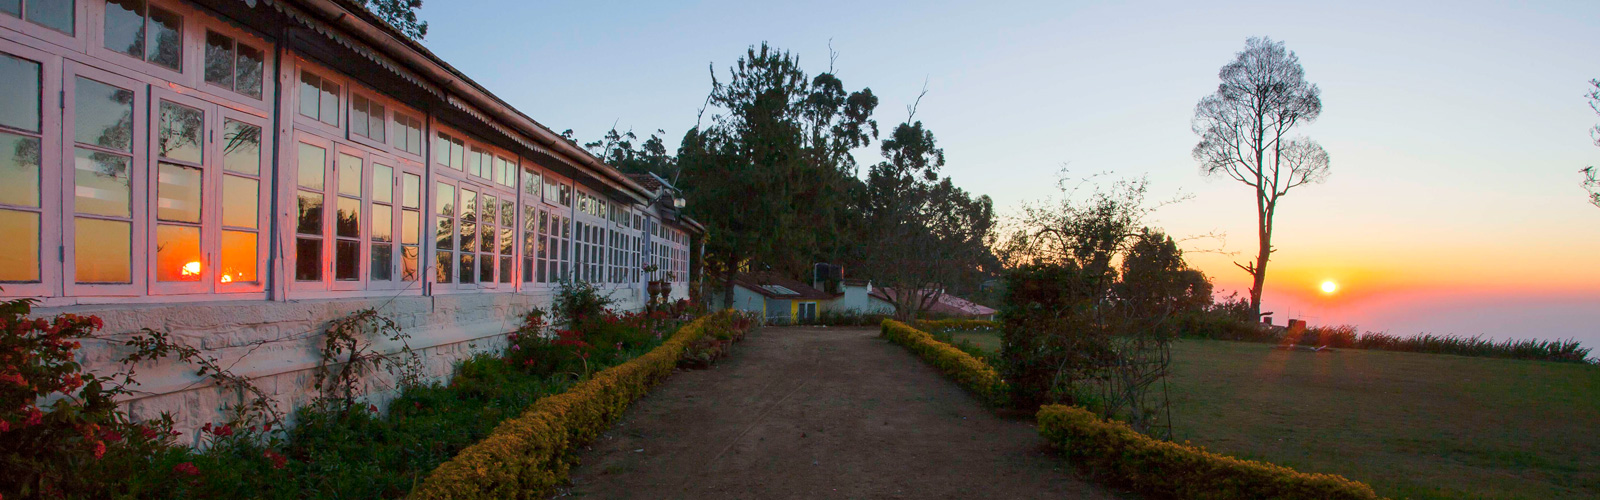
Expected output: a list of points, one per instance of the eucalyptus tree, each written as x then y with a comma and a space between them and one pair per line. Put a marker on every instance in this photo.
1591, 175
1245, 129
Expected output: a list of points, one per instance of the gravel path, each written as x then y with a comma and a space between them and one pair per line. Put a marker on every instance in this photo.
820, 413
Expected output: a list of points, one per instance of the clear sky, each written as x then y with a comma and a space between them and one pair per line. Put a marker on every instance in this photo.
1456, 129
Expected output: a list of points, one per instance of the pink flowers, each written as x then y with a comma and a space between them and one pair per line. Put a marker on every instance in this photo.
218, 431
277, 460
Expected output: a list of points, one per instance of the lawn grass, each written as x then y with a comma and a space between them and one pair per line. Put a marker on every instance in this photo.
1411, 425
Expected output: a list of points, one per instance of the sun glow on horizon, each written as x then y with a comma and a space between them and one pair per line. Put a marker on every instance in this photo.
1328, 287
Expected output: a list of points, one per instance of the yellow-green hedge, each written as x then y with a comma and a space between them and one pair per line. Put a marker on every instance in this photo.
967, 371
527, 456
934, 325
1113, 450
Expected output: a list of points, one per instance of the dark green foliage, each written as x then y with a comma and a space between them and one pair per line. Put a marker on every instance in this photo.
617, 149
402, 14
1048, 340
577, 301
786, 136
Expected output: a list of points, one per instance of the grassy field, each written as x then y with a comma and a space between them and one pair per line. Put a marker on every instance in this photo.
1411, 425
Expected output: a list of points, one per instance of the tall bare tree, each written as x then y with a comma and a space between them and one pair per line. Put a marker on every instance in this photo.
1244, 135
1591, 175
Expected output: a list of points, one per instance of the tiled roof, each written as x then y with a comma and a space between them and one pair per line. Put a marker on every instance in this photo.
777, 286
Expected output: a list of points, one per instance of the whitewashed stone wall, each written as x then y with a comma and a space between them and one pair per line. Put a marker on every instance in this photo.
277, 345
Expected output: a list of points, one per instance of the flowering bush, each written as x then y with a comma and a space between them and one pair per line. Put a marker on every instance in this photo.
56, 421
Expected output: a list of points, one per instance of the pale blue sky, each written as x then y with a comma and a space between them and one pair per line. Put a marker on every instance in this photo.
1456, 129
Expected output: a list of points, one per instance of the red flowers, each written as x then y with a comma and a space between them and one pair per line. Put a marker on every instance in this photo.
99, 449
218, 431
186, 468
34, 416
277, 460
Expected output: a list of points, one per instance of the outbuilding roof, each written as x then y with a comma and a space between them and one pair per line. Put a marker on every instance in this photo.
777, 286
947, 304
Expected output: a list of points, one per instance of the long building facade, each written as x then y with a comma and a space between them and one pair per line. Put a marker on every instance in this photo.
240, 172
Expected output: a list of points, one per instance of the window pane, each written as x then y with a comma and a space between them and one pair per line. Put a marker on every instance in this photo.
507, 240
346, 261
238, 257
349, 217
408, 263
382, 183
486, 269
382, 223
328, 110
375, 121
19, 170
382, 262
182, 130
358, 114
165, 44
240, 201
310, 91
472, 163
349, 175
19, 93
469, 226
487, 215
101, 252
311, 164
177, 253
442, 269
248, 71
219, 59
20, 261
486, 240
411, 191
414, 137
446, 209
178, 193
508, 212
467, 272
308, 259
53, 14
241, 147
13, 7
310, 218
457, 151
441, 150
101, 183
102, 115
409, 221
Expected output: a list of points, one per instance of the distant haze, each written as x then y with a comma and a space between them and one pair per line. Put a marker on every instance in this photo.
1456, 129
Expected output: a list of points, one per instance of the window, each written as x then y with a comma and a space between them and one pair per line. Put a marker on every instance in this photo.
468, 237
506, 172
311, 177
408, 134
479, 163
381, 251
21, 149
410, 225
241, 191
450, 151
319, 98
367, 118
145, 32
59, 15
103, 177
444, 236
232, 65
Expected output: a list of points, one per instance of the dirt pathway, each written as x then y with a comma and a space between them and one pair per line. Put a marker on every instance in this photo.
819, 413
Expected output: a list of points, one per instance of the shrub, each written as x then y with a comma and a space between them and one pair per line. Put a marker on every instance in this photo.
1114, 452
942, 325
527, 456
967, 371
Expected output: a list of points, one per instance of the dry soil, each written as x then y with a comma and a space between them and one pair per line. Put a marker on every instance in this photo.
820, 413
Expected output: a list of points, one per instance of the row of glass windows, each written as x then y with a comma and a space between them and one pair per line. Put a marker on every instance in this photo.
193, 202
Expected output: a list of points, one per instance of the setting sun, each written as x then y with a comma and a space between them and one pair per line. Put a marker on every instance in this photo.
1329, 286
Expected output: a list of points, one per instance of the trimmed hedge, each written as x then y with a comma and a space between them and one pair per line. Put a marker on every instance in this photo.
1117, 453
528, 456
936, 325
967, 371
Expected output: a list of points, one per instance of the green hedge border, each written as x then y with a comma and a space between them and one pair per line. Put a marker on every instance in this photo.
528, 456
967, 371
1114, 452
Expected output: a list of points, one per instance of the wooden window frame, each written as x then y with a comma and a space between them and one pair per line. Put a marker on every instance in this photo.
52, 248
138, 183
